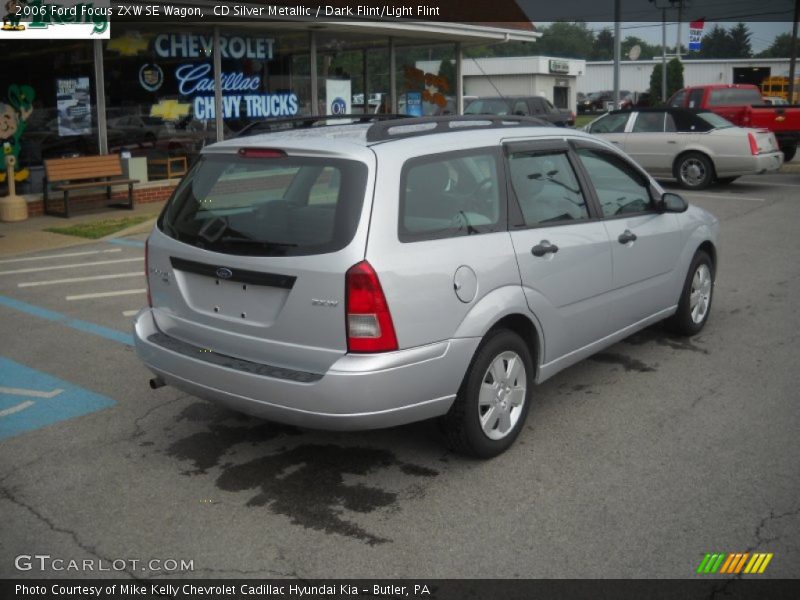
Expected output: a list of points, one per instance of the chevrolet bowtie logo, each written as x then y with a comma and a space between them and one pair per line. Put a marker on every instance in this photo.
170, 110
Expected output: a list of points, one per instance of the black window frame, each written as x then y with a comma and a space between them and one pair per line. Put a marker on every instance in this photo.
629, 167
410, 237
516, 218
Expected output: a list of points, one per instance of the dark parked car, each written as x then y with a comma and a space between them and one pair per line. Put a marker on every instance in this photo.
534, 106
598, 101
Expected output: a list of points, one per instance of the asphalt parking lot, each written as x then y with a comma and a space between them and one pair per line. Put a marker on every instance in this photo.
633, 464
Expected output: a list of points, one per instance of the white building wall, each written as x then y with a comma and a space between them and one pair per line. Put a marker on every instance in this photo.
635, 75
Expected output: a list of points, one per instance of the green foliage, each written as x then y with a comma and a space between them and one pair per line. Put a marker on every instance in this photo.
674, 79
447, 69
781, 47
731, 43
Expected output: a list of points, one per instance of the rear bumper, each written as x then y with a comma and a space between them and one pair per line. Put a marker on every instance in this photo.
356, 392
769, 162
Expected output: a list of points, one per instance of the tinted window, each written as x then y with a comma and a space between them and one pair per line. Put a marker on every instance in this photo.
614, 123
450, 195
546, 188
733, 96
695, 98
487, 106
284, 206
521, 108
649, 122
714, 120
669, 123
620, 188
677, 99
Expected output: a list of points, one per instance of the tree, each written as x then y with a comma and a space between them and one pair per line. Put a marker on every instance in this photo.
568, 40
715, 44
674, 79
781, 47
739, 36
603, 46
674, 76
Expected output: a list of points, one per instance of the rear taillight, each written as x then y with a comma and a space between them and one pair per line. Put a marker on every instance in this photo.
753, 143
369, 323
147, 271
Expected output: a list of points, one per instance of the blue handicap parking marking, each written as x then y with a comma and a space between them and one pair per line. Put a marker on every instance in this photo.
31, 399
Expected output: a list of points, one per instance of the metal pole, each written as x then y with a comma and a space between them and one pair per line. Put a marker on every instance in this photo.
393, 75
312, 59
218, 114
459, 79
664, 55
100, 94
793, 57
617, 50
678, 46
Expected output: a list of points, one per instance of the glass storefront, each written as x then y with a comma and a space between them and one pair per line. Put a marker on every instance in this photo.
158, 92
47, 105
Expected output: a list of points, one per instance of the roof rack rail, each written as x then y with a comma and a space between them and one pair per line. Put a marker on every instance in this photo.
272, 125
380, 131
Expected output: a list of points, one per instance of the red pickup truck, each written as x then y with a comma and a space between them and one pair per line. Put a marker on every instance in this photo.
742, 105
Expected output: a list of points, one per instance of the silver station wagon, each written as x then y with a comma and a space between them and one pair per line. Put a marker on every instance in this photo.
366, 275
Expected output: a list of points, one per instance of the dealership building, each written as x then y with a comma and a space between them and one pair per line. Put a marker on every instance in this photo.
148, 91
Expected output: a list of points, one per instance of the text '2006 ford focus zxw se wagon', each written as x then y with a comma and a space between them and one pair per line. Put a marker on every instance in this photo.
366, 275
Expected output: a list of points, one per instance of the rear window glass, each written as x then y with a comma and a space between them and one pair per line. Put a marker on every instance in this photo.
733, 96
285, 206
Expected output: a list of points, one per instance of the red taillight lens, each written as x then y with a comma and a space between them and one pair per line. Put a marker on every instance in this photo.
261, 153
753, 143
369, 323
147, 271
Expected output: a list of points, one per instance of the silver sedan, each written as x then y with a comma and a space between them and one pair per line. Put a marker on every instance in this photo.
695, 148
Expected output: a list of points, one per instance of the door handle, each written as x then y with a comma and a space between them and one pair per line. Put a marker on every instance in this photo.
626, 236
543, 248
615, 141
671, 142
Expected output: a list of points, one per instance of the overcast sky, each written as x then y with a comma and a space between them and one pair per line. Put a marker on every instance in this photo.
763, 33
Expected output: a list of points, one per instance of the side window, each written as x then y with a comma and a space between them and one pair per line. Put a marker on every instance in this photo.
619, 186
677, 99
547, 189
613, 123
649, 122
695, 98
450, 195
669, 123
521, 108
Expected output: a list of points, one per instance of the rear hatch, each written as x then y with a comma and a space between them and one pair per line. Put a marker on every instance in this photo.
249, 256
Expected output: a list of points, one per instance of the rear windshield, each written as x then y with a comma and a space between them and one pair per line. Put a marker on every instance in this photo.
285, 206
715, 120
733, 97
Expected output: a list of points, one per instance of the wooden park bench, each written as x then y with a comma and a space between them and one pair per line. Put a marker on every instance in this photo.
84, 172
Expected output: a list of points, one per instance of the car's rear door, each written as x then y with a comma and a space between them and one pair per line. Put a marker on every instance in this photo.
653, 142
562, 248
645, 243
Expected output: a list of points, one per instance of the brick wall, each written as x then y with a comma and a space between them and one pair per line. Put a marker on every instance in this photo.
141, 195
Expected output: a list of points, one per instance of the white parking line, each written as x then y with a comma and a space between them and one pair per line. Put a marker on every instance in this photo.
79, 279
16, 409
72, 266
66, 255
130, 313
106, 294
733, 196
30, 393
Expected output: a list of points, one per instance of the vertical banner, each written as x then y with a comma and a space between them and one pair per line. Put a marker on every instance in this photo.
74, 104
337, 96
696, 34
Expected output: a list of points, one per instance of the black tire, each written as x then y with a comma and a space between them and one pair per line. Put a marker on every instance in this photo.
694, 171
462, 424
726, 180
789, 152
683, 322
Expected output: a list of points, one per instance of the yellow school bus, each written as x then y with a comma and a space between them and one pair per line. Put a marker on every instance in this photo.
779, 86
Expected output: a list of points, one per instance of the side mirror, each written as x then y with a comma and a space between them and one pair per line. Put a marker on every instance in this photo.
673, 203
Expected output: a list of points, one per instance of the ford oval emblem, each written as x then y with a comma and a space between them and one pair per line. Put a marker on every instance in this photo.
224, 273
